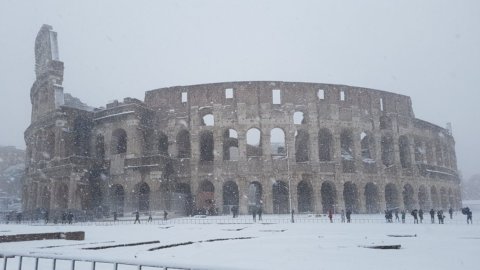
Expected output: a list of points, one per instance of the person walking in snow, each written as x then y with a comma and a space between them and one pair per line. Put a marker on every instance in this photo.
260, 213
150, 219
403, 216
70, 217
432, 215
165, 215
440, 216
420, 215
396, 215
254, 214
450, 211
293, 212
469, 216
349, 215
414, 213
137, 217
45, 216
114, 216
330, 215
342, 215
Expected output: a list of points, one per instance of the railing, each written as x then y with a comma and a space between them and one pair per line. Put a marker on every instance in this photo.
19, 261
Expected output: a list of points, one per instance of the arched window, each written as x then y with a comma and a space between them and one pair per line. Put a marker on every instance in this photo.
230, 145
206, 146
325, 145
347, 154
254, 143
404, 148
299, 118
367, 144
301, 146
183, 144
388, 152
119, 141
277, 142
162, 144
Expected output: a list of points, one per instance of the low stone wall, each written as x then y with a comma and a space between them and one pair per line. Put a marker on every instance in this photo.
42, 236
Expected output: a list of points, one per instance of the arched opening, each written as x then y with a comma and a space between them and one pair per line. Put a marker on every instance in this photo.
162, 144
183, 144
100, 146
429, 153
350, 197
117, 195
422, 197
388, 152
208, 120
438, 153
142, 191
206, 146
325, 145
404, 148
443, 198
254, 196
385, 122
371, 198
166, 195
49, 146
391, 196
230, 145
420, 151
301, 146
62, 196
408, 197
230, 196
254, 144
346, 151
81, 137
367, 145
277, 142
206, 198
182, 199
280, 198
329, 196
299, 118
119, 141
45, 198
434, 197
305, 197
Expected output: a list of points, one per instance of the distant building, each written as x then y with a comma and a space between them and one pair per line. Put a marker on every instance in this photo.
206, 148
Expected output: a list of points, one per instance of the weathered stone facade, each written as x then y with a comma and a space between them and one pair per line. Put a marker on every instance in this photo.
275, 145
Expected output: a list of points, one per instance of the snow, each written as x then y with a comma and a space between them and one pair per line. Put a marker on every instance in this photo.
310, 243
112, 115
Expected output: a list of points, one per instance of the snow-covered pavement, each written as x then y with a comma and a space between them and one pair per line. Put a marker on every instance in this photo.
454, 245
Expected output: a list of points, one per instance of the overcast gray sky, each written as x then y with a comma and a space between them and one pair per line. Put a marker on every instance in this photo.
428, 50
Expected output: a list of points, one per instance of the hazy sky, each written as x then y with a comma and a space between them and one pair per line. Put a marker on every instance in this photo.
428, 50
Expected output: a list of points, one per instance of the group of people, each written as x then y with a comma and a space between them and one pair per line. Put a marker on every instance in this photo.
137, 216
343, 214
418, 215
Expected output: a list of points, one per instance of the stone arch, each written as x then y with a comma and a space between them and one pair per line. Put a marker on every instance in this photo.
439, 153
254, 196
119, 141
206, 116
372, 198
302, 144
391, 196
429, 153
419, 150
183, 144
81, 136
367, 146
277, 142
62, 196
422, 197
206, 197
206, 146
45, 197
49, 147
182, 199
254, 142
162, 146
117, 197
329, 196
434, 197
443, 198
299, 118
350, 196
408, 197
230, 196
280, 198
305, 197
385, 122
347, 151
230, 145
142, 193
325, 145
404, 151
388, 150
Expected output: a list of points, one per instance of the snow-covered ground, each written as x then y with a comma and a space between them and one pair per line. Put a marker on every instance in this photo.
300, 245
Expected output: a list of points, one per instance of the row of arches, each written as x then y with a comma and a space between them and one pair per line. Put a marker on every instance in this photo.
181, 199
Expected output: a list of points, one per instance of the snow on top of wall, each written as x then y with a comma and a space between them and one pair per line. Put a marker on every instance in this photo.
73, 102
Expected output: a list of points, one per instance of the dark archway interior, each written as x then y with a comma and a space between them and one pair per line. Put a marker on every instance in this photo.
280, 198
350, 197
329, 196
305, 197
371, 198
391, 196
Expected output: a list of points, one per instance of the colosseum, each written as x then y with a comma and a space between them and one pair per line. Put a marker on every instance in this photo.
206, 148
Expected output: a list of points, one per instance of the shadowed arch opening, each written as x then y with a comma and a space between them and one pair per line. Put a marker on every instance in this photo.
385, 122
183, 144
305, 197
277, 142
62, 196
254, 196
162, 144
350, 197
434, 197
301, 146
423, 197
391, 196
142, 192
230, 196
329, 196
404, 148
280, 198
119, 141
388, 152
346, 151
117, 195
230, 145
325, 145
372, 198
206, 198
206, 146
182, 199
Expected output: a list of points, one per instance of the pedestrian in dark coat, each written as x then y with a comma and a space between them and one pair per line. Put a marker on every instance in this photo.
64, 218
114, 216
396, 215
137, 217
70, 217
349, 215
403, 216
469, 216
450, 211
150, 219
414, 213
19, 218
330, 215
260, 213
165, 215
432, 215
440, 216
293, 212
45, 216
420, 215
254, 214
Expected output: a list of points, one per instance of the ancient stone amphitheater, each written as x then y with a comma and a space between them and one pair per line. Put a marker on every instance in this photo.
206, 148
